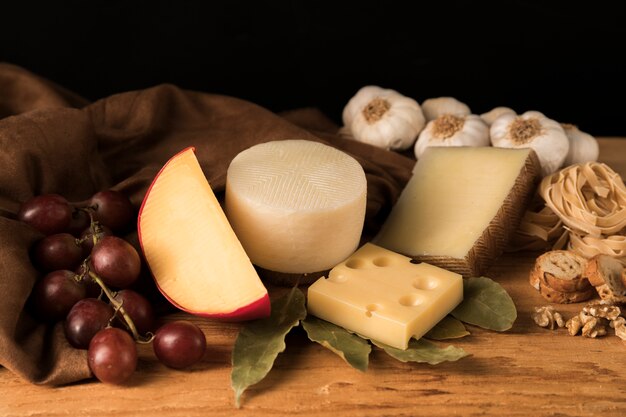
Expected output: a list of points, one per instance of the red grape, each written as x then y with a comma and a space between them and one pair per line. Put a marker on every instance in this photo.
80, 221
138, 308
86, 237
48, 213
112, 209
179, 344
112, 355
115, 261
85, 319
54, 295
58, 251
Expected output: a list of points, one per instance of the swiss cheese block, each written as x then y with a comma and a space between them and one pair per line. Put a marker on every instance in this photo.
461, 206
297, 206
381, 295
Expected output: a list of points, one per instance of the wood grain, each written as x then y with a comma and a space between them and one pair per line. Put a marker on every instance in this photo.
527, 371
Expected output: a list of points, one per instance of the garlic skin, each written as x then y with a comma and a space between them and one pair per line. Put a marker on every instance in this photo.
535, 113
491, 116
383, 118
582, 146
532, 130
453, 130
435, 107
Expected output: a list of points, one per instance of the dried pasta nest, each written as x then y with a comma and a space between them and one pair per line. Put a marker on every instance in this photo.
590, 198
540, 229
585, 211
590, 246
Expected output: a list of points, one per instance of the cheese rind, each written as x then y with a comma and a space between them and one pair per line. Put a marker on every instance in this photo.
383, 296
297, 206
461, 206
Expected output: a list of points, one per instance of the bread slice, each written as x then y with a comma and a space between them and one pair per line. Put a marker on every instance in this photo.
560, 297
605, 273
534, 280
562, 271
559, 277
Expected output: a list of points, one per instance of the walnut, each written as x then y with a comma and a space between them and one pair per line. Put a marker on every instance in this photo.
585, 317
602, 310
594, 326
547, 316
620, 321
619, 324
574, 325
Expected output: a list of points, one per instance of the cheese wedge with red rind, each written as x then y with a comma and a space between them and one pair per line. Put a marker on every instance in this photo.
193, 253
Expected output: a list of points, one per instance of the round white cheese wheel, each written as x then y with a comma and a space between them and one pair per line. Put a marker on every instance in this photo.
296, 206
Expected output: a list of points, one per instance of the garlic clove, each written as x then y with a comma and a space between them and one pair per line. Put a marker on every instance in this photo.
383, 118
532, 130
491, 116
382, 134
400, 123
582, 146
453, 130
435, 107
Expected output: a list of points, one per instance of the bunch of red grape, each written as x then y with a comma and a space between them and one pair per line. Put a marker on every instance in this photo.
86, 274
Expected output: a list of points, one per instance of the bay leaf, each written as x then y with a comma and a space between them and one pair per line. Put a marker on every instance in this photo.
348, 346
486, 304
448, 328
259, 342
423, 351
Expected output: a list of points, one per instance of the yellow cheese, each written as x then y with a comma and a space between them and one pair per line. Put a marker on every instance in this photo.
383, 296
297, 206
193, 253
461, 206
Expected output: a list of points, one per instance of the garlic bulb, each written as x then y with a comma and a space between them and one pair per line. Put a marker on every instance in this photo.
383, 118
532, 130
453, 130
582, 146
491, 116
435, 107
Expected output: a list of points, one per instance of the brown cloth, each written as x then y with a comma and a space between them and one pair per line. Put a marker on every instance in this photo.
53, 141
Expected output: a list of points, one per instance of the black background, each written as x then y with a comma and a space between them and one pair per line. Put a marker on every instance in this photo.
564, 58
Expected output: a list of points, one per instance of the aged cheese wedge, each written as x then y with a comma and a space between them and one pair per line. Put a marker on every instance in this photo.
193, 253
297, 206
461, 206
383, 296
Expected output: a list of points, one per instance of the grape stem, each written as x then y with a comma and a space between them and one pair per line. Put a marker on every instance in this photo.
117, 306
120, 308
94, 225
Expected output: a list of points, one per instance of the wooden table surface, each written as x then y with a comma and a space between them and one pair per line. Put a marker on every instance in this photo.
527, 371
